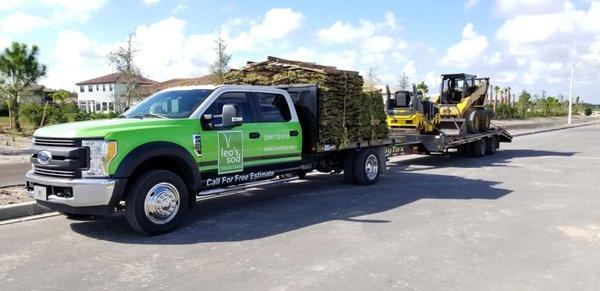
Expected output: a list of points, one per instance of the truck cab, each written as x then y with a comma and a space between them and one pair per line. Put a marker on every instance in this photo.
154, 159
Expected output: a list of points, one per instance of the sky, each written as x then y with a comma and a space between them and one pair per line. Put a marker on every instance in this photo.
522, 44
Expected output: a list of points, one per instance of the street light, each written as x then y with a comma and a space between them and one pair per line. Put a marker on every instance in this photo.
570, 119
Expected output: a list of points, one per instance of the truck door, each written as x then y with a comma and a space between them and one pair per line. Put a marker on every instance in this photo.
230, 150
282, 140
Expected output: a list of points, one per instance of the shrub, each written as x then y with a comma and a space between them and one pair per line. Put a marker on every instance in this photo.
587, 111
32, 112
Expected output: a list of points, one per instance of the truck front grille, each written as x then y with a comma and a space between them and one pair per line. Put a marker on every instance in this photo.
56, 173
56, 142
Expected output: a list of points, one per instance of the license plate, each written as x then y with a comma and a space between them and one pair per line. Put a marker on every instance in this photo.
39, 193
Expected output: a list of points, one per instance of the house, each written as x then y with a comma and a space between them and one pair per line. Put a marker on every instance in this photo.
99, 94
147, 90
36, 94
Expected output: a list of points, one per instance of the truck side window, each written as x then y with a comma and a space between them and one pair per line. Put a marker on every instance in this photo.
273, 107
238, 98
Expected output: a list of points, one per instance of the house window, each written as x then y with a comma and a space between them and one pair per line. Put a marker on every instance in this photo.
98, 106
103, 87
111, 106
104, 106
110, 87
83, 105
90, 88
81, 89
97, 87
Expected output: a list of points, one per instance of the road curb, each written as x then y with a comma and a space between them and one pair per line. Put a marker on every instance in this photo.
21, 210
554, 128
11, 152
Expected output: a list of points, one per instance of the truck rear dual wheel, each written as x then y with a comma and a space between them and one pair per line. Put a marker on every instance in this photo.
366, 167
156, 202
349, 167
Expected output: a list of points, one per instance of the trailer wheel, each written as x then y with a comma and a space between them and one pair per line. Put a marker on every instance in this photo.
490, 145
156, 203
366, 167
478, 148
349, 167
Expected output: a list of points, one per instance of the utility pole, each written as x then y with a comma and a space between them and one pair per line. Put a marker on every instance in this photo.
569, 119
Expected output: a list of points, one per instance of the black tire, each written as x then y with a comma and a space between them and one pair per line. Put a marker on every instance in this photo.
349, 167
486, 119
472, 121
478, 148
302, 174
366, 167
134, 204
490, 145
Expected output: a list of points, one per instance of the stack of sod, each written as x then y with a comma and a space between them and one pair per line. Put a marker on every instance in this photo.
346, 113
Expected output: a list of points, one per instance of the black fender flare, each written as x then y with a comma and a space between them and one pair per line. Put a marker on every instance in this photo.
147, 151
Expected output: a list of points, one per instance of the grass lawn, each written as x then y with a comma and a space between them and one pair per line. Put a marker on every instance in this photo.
5, 124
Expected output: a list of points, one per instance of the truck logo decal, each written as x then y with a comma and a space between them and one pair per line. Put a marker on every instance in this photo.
231, 152
44, 157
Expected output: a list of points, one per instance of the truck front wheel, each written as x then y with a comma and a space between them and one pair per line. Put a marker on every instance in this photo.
366, 167
156, 203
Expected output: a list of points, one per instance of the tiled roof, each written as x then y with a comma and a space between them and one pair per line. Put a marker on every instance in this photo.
114, 78
148, 90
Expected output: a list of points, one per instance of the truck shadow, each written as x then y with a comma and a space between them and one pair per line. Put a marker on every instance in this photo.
281, 208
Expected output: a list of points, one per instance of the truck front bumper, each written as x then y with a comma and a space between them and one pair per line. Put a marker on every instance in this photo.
81, 196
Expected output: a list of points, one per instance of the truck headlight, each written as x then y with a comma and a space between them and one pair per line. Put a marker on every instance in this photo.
101, 154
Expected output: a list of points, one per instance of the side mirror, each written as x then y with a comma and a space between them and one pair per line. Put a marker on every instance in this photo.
125, 109
229, 117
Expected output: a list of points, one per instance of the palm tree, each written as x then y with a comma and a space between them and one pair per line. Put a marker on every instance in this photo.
19, 68
423, 88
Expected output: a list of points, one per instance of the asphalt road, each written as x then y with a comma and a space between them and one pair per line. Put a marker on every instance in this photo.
525, 218
13, 174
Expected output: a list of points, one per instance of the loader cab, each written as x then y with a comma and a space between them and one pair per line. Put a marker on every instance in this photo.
455, 87
399, 100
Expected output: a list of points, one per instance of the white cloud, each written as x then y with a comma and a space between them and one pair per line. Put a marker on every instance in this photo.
20, 22
341, 32
344, 32
543, 44
378, 44
514, 7
76, 58
469, 4
345, 59
10, 4
150, 2
469, 49
165, 52
410, 70
277, 24
433, 81
179, 8
66, 10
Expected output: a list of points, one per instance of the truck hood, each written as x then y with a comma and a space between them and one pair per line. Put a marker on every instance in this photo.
100, 128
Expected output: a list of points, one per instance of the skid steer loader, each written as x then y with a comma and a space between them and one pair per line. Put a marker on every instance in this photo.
406, 110
461, 101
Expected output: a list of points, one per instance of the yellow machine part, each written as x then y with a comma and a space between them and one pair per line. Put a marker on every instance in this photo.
458, 110
413, 121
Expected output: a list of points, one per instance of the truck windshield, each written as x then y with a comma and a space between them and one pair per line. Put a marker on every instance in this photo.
169, 104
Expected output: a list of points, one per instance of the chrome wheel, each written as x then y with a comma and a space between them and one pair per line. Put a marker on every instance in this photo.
371, 167
162, 203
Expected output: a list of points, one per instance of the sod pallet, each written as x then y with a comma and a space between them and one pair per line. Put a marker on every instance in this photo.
346, 113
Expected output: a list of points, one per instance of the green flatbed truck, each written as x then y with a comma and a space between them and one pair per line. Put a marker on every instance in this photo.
179, 144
